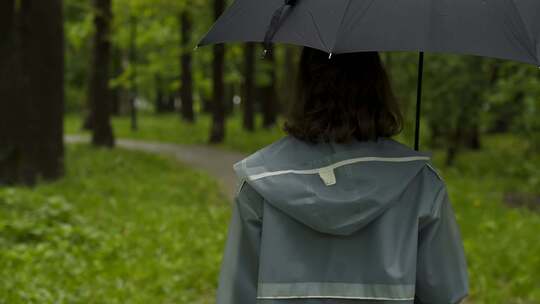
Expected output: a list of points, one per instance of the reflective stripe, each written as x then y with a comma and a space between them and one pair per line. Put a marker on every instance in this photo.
339, 164
335, 291
336, 297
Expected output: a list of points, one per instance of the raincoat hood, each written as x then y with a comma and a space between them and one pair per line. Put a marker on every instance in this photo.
333, 188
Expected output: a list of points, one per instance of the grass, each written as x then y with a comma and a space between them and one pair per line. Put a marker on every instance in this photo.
501, 243
121, 227
137, 235
170, 128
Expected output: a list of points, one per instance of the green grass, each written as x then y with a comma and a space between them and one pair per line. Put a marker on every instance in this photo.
122, 227
501, 243
170, 128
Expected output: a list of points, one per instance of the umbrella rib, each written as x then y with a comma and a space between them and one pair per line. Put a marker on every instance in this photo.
525, 30
318, 30
343, 20
340, 25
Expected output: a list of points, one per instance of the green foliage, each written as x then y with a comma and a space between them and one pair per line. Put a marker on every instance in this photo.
461, 93
517, 96
454, 88
151, 32
148, 29
78, 24
122, 227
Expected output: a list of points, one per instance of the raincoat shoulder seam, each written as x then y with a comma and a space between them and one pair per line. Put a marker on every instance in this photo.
432, 168
250, 199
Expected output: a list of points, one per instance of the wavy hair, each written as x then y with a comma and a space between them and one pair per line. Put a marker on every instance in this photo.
345, 97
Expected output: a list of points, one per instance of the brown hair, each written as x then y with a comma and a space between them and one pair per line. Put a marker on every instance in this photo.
345, 97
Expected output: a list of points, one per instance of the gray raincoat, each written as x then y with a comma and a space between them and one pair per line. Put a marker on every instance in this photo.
365, 222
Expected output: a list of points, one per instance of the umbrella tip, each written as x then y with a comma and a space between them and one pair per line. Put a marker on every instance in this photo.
265, 51
196, 47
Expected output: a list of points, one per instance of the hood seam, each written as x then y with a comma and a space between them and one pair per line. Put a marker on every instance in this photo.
336, 165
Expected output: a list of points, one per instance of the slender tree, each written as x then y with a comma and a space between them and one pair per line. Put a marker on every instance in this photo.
249, 87
164, 99
100, 93
31, 91
231, 90
161, 104
116, 70
217, 132
186, 89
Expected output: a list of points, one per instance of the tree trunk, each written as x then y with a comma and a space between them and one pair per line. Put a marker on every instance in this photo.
100, 93
249, 86
472, 137
455, 141
161, 104
44, 52
217, 132
186, 90
12, 100
117, 71
230, 92
31, 91
270, 102
451, 154
436, 135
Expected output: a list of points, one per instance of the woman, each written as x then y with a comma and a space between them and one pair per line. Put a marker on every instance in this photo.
337, 211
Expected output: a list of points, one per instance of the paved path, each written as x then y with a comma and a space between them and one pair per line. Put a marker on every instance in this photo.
217, 162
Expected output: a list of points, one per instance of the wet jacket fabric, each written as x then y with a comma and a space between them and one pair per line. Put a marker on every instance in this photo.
364, 222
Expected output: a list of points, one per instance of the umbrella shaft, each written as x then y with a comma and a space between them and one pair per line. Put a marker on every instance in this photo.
419, 100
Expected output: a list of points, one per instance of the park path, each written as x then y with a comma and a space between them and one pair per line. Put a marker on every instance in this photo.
215, 161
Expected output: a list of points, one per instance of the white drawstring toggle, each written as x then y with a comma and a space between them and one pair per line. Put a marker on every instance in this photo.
328, 176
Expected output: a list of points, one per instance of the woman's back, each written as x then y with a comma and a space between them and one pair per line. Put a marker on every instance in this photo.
358, 221
338, 212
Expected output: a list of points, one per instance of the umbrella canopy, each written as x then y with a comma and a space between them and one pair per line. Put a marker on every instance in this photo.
507, 29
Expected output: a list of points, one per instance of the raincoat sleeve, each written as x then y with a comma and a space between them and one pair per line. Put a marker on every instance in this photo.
239, 269
441, 266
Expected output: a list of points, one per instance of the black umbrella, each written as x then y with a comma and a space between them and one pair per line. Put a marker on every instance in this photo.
506, 29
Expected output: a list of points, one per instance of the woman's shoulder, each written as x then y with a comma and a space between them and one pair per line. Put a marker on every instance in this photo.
286, 149
401, 148
290, 150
